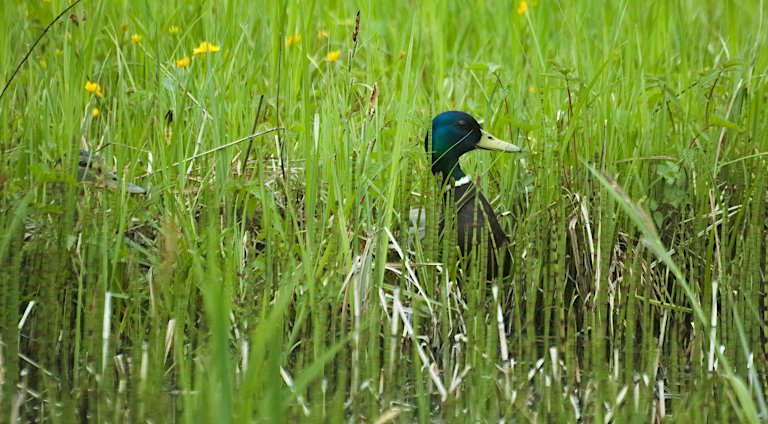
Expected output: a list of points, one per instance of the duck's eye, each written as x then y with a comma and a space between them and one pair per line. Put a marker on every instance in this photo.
462, 124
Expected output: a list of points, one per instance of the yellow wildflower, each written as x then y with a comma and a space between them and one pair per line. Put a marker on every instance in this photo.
93, 88
206, 47
522, 7
43, 63
46, 1
294, 39
532, 89
322, 34
333, 55
95, 112
173, 30
136, 38
182, 63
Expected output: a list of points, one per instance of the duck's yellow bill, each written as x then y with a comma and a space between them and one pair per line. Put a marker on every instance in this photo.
489, 142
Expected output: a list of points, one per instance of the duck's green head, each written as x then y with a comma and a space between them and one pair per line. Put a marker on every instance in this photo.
455, 133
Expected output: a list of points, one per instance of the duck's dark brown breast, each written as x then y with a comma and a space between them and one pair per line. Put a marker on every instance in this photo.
471, 225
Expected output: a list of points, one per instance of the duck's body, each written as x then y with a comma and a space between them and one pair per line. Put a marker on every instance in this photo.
453, 134
90, 168
475, 221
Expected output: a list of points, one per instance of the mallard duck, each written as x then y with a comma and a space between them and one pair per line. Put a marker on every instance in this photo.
453, 134
91, 169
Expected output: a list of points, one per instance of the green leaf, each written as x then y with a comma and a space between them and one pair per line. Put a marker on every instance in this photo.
477, 67
722, 122
71, 240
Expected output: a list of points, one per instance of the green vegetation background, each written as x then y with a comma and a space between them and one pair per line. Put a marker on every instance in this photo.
274, 278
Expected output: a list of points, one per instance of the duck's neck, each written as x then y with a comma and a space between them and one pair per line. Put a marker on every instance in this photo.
454, 178
461, 181
449, 171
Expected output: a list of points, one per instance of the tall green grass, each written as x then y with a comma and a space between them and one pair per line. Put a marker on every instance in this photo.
286, 284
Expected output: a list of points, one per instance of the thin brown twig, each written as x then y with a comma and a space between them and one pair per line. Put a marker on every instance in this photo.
253, 131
